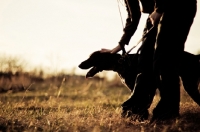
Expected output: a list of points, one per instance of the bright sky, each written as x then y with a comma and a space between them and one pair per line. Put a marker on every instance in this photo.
62, 33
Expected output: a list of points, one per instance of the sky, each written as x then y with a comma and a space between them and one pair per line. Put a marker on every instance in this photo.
60, 34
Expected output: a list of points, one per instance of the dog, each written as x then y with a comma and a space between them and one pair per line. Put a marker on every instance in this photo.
126, 67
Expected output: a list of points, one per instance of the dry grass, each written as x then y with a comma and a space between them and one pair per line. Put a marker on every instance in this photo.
77, 105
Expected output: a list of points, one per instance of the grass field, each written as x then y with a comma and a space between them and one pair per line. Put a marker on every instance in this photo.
76, 104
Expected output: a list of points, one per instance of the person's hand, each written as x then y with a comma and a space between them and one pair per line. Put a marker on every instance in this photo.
116, 49
113, 51
105, 50
155, 17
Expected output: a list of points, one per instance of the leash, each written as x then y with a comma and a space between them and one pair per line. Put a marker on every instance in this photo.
120, 14
144, 36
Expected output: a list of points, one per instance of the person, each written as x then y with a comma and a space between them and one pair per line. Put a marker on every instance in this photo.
165, 66
141, 97
174, 21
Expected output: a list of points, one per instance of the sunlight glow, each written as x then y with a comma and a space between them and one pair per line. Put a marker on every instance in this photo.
64, 33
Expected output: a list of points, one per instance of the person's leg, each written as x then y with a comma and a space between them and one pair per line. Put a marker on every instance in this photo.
144, 89
172, 34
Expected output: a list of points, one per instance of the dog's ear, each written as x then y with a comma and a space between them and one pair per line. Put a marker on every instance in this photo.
94, 70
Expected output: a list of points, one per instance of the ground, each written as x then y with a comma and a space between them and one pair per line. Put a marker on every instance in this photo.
85, 105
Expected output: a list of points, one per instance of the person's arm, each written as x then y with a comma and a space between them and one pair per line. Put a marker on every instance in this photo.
132, 21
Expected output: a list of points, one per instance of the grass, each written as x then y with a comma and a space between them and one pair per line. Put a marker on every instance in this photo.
79, 105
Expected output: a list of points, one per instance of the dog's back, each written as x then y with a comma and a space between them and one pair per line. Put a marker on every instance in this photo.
189, 64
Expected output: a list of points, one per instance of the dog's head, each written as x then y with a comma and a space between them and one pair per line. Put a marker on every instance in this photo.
125, 66
104, 61
98, 62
